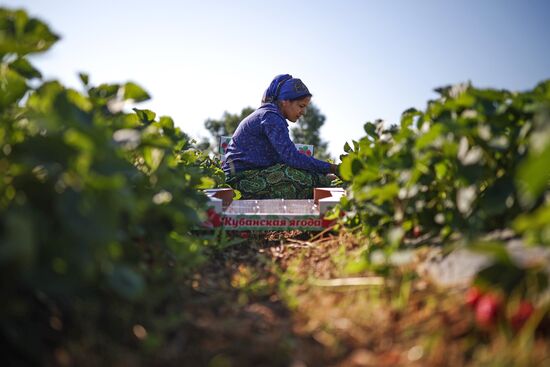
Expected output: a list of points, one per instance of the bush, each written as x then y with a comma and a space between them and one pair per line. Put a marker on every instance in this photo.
97, 205
472, 162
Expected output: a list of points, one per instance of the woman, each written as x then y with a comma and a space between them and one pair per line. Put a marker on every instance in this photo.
261, 160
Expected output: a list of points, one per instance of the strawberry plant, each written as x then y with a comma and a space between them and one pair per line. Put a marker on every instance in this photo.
97, 205
452, 168
474, 161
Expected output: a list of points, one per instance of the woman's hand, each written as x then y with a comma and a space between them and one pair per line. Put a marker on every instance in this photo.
335, 169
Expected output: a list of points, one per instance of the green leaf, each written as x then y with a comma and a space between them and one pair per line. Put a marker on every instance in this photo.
425, 140
146, 116
356, 166
206, 183
84, 78
18, 240
21, 35
135, 92
495, 250
345, 168
79, 100
25, 69
534, 175
496, 199
453, 91
407, 117
370, 129
357, 265
505, 276
538, 220
126, 282
12, 87
440, 170
384, 193
153, 157
411, 111
166, 122
104, 91
347, 148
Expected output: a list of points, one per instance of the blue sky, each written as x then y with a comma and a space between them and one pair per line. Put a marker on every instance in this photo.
362, 60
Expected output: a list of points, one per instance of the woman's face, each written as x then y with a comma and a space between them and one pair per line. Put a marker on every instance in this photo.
293, 110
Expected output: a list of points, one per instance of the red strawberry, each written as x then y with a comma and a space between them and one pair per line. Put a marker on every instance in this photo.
524, 311
487, 310
244, 235
473, 294
416, 232
308, 153
327, 222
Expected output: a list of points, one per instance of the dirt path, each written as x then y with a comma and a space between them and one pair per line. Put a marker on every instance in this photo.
239, 318
282, 300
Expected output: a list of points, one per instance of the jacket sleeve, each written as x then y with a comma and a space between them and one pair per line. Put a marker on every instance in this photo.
276, 130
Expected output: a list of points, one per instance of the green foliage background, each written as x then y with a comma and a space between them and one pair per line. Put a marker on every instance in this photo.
471, 162
474, 162
97, 208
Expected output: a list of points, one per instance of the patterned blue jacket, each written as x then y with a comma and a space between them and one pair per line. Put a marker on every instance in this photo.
262, 140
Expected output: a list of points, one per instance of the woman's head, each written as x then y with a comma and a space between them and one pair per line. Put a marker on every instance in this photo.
292, 110
285, 87
290, 94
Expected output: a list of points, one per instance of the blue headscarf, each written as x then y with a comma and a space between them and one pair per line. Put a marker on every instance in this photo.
283, 87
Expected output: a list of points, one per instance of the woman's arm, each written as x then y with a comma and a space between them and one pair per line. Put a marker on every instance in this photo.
276, 130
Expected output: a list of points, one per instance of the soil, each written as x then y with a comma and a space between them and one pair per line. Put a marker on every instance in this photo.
285, 299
